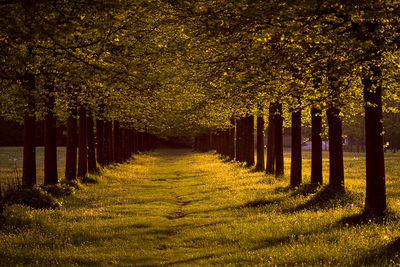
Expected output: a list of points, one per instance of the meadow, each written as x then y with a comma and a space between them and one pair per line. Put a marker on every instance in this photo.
11, 163
176, 207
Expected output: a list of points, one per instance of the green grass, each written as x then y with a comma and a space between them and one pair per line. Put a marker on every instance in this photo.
174, 207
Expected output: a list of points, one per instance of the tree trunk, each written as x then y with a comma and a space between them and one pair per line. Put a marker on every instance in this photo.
83, 152
29, 161
270, 168
100, 141
125, 146
50, 141
109, 129
128, 145
249, 140
240, 143
279, 163
72, 143
375, 200
204, 142
135, 141
226, 143
140, 141
106, 146
147, 142
231, 141
316, 150
214, 141
29, 156
92, 168
336, 170
296, 159
133, 145
117, 142
218, 147
219, 142
260, 144
196, 143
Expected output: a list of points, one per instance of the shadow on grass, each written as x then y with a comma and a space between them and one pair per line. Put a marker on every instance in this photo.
290, 238
317, 198
303, 190
365, 218
383, 256
328, 197
262, 202
42, 260
191, 260
272, 242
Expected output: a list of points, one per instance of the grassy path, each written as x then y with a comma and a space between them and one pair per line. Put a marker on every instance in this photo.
175, 207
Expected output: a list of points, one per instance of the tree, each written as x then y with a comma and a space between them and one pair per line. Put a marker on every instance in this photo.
316, 150
50, 133
72, 144
83, 152
296, 162
260, 143
92, 168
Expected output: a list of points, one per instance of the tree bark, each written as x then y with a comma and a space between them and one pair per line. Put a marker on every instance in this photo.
336, 169
83, 152
231, 141
117, 142
122, 145
249, 140
29, 160
196, 143
110, 142
146, 141
260, 144
204, 142
239, 140
135, 141
270, 167
72, 143
140, 141
240, 143
100, 141
29, 156
128, 144
221, 142
50, 141
214, 141
279, 163
106, 154
296, 158
125, 146
316, 150
375, 200
226, 143
92, 168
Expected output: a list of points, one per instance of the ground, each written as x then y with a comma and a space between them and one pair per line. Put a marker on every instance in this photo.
176, 207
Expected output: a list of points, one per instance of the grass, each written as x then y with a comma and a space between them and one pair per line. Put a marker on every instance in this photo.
175, 207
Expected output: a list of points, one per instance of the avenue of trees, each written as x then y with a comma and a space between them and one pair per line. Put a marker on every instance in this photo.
119, 73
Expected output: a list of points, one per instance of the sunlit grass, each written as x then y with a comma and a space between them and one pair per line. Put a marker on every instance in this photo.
174, 207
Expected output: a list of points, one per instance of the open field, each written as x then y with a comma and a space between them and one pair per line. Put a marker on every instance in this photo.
11, 163
175, 207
